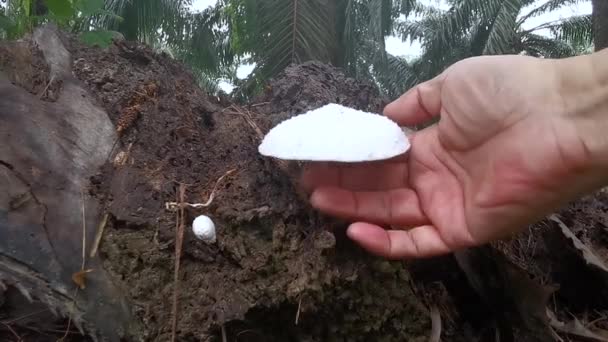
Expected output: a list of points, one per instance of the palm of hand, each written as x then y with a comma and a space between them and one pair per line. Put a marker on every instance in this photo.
490, 165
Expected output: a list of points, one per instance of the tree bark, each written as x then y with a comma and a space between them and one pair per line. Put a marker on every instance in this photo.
600, 24
48, 152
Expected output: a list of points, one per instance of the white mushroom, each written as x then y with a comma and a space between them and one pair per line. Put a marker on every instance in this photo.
335, 133
204, 229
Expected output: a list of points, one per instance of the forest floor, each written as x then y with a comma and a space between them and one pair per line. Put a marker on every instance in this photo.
281, 271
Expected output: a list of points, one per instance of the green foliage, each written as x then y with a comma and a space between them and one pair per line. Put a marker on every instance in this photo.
90, 7
60, 8
349, 34
276, 33
16, 19
197, 39
481, 27
101, 38
194, 38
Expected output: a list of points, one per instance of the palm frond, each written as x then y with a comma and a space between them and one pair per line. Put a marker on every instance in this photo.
202, 44
402, 76
287, 32
547, 7
145, 20
412, 7
577, 30
541, 46
501, 29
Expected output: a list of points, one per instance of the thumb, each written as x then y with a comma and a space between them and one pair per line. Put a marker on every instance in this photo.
418, 105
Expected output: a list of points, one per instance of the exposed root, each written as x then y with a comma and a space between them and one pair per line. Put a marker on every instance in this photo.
224, 338
180, 205
435, 324
248, 118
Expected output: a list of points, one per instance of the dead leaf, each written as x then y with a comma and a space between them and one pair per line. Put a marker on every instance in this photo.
590, 257
80, 278
575, 327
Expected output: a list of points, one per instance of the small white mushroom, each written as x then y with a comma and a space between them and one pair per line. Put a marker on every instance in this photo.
204, 229
335, 133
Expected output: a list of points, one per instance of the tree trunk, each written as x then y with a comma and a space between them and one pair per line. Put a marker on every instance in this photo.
600, 24
40, 8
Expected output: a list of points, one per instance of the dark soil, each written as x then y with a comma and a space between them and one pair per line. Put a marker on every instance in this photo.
300, 88
273, 253
279, 271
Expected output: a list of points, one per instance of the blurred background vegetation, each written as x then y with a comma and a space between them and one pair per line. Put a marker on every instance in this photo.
350, 34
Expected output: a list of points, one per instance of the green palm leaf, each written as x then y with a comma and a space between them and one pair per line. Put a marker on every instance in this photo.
145, 20
501, 29
577, 30
547, 7
541, 46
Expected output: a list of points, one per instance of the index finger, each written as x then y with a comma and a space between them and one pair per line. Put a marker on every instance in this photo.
417, 105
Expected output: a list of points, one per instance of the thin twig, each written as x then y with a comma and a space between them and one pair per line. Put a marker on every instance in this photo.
84, 235
19, 339
179, 231
46, 87
83, 264
100, 229
14, 320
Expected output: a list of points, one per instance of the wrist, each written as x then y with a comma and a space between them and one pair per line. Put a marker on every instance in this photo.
583, 88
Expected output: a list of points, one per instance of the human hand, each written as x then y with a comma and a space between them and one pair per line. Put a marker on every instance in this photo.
504, 153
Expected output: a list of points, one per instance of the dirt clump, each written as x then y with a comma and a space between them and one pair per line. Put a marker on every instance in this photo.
303, 87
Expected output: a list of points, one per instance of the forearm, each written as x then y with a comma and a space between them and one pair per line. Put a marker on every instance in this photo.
584, 90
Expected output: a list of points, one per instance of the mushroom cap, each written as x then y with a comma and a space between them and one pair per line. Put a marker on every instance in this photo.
204, 229
335, 133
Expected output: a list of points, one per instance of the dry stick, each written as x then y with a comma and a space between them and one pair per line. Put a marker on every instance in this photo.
100, 229
14, 320
19, 339
298, 313
47, 87
84, 235
260, 104
179, 231
113, 147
